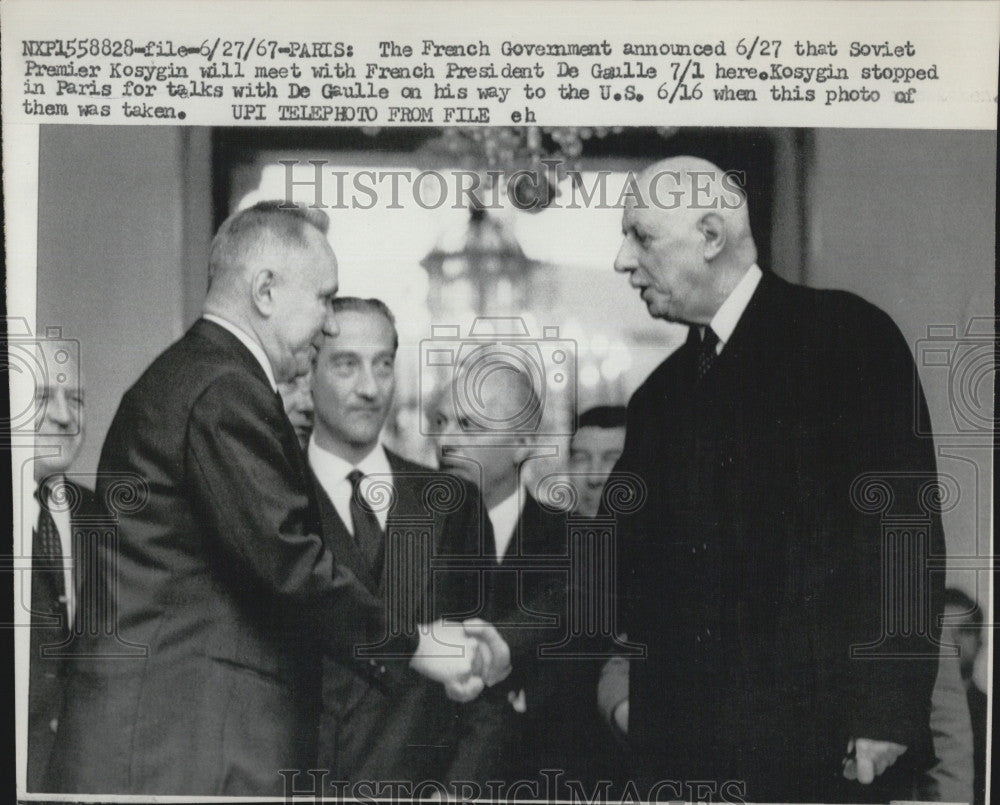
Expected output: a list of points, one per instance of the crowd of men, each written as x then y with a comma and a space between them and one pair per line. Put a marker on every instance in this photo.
300, 597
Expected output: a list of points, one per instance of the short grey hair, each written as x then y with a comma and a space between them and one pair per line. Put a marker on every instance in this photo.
246, 233
355, 304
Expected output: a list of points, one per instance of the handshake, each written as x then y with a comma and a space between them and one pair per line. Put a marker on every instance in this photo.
465, 657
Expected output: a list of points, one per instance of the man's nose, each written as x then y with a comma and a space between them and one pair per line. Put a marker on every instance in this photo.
58, 409
366, 386
625, 259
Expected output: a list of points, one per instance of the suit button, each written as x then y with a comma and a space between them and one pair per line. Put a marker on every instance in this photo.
381, 669
54, 724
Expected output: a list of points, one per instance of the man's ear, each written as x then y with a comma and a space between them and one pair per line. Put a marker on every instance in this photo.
713, 229
262, 289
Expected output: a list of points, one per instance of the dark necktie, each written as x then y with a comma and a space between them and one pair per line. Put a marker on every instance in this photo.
706, 353
46, 560
367, 531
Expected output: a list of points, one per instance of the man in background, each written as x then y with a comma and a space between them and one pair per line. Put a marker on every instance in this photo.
221, 571
369, 498
963, 627
297, 397
531, 729
593, 451
752, 573
54, 510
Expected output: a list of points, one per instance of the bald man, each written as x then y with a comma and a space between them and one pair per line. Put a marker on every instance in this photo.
752, 571
512, 740
221, 573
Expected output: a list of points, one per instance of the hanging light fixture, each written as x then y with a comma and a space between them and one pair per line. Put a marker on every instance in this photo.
479, 268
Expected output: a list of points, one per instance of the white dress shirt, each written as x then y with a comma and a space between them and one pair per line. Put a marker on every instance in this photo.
60, 516
249, 342
332, 472
504, 518
726, 318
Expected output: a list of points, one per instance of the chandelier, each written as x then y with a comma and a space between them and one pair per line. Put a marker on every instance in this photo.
533, 158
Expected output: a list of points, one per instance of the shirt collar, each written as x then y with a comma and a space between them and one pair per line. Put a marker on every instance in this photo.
328, 466
728, 315
503, 518
249, 342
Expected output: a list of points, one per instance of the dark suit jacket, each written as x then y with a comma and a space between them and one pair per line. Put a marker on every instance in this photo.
221, 574
560, 728
50, 629
411, 732
752, 568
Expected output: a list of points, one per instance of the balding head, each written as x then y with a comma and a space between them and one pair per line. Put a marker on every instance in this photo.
273, 274
687, 239
481, 423
59, 423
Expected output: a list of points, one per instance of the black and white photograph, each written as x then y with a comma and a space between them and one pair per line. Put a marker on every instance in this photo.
358, 457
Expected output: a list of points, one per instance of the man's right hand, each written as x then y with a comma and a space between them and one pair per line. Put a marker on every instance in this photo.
446, 654
465, 658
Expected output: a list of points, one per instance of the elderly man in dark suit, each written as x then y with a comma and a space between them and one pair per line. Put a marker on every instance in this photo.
372, 500
57, 508
221, 573
753, 573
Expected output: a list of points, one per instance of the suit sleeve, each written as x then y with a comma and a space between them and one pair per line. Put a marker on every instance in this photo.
252, 500
888, 695
485, 740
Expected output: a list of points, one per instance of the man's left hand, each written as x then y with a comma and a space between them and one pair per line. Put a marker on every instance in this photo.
870, 758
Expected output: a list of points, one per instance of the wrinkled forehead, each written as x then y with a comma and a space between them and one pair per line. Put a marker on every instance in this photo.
361, 331
57, 364
496, 385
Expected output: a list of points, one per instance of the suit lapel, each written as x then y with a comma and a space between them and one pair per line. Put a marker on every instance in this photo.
758, 330
336, 535
410, 482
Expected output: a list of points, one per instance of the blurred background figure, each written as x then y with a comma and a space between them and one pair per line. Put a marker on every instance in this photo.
297, 397
593, 451
963, 626
52, 510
